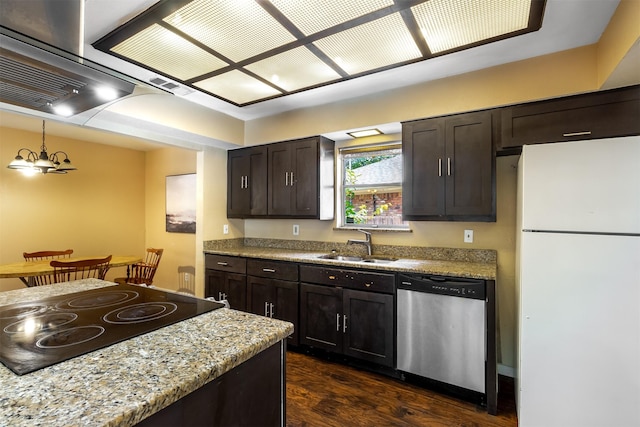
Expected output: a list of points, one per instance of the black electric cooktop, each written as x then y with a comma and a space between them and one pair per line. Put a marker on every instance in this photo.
41, 333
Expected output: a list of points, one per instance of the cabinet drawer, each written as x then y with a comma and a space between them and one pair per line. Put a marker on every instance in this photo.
225, 263
272, 269
352, 279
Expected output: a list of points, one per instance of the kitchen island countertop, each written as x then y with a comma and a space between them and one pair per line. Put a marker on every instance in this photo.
122, 384
458, 268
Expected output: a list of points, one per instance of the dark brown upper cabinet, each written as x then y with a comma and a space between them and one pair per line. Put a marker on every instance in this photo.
290, 179
449, 168
300, 178
247, 182
593, 115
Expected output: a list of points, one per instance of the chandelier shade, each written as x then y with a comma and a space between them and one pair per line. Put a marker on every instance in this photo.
43, 162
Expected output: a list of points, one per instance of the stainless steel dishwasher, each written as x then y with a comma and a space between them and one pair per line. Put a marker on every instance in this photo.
441, 331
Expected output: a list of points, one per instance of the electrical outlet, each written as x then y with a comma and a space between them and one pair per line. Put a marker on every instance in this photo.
296, 229
225, 229
468, 236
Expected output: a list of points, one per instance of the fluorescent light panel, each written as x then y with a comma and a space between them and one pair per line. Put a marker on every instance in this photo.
246, 51
364, 132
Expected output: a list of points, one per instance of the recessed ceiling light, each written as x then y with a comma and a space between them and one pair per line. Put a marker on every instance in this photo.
63, 110
106, 93
364, 132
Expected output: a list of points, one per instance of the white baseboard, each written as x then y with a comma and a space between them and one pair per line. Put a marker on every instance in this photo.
507, 371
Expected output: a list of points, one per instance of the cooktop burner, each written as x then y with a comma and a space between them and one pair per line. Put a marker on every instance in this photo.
37, 334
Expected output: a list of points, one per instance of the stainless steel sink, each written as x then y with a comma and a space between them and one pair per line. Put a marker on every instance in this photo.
341, 257
378, 259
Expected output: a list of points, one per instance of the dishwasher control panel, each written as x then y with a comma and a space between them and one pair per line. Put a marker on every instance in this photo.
452, 286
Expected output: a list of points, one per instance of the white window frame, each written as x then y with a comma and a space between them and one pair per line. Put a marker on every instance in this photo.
340, 170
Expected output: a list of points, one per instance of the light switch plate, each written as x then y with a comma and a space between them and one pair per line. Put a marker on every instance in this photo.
468, 236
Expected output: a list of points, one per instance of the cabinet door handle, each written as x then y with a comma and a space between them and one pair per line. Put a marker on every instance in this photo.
269, 270
271, 310
338, 322
220, 296
344, 323
246, 181
448, 166
224, 264
440, 167
224, 296
291, 180
587, 132
266, 309
286, 179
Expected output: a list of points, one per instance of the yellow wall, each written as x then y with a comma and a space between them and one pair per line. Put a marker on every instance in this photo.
96, 210
548, 76
621, 33
179, 248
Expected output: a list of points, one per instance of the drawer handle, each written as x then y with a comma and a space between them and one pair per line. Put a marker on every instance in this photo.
407, 283
224, 264
588, 132
368, 284
332, 277
268, 270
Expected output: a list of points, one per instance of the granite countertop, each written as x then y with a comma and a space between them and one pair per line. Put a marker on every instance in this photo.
122, 384
477, 264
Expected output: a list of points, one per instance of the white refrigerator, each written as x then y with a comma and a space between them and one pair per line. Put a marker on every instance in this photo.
578, 284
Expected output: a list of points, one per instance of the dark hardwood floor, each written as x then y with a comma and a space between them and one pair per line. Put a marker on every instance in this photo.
325, 393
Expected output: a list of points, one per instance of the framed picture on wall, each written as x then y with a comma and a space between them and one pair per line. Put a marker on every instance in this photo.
181, 203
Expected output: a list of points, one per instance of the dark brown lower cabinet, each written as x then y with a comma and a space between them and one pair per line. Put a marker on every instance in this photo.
252, 394
229, 286
274, 298
351, 322
226, 279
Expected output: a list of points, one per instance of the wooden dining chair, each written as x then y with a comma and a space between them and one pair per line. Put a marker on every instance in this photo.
44, 255
46, 279
142, 273
65, 271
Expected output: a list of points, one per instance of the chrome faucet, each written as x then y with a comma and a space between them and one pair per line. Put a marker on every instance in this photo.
366, 242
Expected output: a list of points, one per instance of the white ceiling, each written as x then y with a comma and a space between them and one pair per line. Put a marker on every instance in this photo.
567, 24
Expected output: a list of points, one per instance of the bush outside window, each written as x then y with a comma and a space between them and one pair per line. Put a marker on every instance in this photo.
372, 187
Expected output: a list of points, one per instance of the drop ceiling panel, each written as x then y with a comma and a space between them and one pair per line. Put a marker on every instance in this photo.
294, 69
238, 29
168, 53
280, 47
237, 87
378, 44
447, 25
322, 14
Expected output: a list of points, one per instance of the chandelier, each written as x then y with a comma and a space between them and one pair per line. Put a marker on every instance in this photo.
43, 163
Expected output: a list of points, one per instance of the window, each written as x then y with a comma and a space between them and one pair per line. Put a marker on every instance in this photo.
371, 187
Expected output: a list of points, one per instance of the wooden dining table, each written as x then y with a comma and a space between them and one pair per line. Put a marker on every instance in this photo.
26, 270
